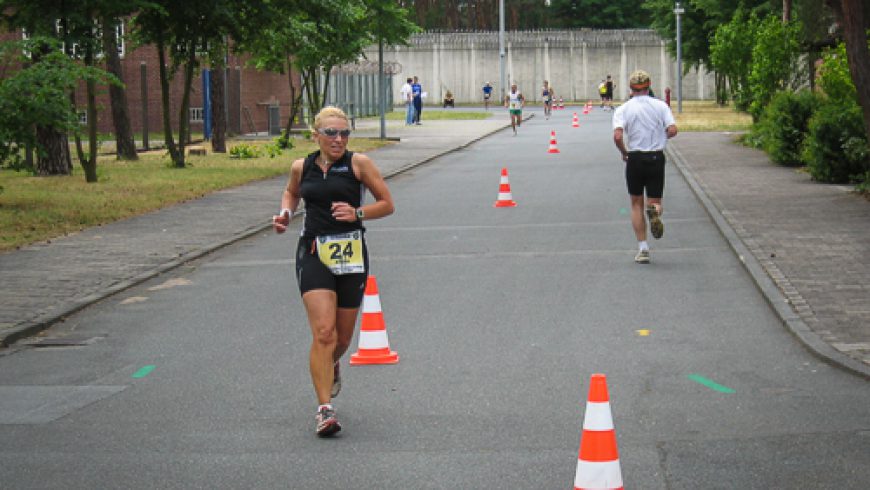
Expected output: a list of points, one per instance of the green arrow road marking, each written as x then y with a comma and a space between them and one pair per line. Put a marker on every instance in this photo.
144, 371
710, 384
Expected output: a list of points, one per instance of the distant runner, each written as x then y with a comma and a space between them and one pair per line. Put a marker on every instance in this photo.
515, 101
547, 95
487, 93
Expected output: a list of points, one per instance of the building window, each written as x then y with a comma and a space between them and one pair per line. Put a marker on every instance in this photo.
119, 35
196, 114
83, 118
74, 51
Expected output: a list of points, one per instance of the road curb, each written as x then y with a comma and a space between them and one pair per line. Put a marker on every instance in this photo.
775, 298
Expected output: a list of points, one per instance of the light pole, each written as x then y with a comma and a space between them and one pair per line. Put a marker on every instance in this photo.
679, 10
501, 79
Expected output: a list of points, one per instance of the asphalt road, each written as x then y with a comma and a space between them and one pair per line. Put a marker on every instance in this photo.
198, 378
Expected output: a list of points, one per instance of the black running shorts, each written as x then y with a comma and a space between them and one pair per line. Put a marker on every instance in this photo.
645, 170
312, 274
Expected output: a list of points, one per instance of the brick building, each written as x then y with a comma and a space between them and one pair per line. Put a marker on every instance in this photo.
257, 101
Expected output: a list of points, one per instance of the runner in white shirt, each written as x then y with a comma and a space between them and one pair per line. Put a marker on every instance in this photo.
515, 101
641, 128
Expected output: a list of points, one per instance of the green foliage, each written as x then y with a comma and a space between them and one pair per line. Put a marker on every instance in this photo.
315, 36
245, 150
274, 149
775, 62
834, 78
38, 95
597, 14
783, 126
836, 149
284, 142
731, 54
698, 23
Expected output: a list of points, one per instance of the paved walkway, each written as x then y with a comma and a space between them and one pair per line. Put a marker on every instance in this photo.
805, 244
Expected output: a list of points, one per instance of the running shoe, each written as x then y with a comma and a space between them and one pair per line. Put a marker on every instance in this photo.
656, 227
336, 379
642, 257
327, 424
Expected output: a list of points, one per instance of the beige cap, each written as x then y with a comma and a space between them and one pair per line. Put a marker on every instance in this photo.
639, 80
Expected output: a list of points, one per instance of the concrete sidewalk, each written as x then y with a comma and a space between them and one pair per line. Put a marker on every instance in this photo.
805, 244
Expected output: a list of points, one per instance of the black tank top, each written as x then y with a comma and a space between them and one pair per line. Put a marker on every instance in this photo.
320, 190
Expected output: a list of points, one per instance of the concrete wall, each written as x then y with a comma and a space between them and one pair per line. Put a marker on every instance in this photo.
574, 62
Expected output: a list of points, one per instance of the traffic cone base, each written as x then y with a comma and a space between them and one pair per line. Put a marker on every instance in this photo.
374, 346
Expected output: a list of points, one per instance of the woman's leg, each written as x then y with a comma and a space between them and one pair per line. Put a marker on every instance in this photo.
322, 318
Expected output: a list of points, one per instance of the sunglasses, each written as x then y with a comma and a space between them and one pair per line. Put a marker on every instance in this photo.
332, 132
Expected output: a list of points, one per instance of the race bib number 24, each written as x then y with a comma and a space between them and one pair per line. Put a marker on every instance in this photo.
342, 253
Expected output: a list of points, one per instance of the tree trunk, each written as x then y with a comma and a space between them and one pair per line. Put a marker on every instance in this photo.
218, 110
124, 142
53, 155
295, 104
851, 16
786, 10
164, 97
184, 110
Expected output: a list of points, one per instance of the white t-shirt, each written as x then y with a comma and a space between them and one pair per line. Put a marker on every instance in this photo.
644, 120
515, 100
406, 92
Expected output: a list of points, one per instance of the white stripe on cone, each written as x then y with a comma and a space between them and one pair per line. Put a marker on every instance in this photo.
371, 303
598, 476
598, 416
373, 339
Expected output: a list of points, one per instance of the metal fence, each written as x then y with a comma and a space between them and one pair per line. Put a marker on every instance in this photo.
354, 88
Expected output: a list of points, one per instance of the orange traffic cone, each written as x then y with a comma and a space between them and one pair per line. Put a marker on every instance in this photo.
598, 461
505, 199
561, 104
576, 122
587, 107
553, 148
374, 348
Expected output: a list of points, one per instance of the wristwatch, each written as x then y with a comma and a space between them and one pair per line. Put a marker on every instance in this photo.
359, 214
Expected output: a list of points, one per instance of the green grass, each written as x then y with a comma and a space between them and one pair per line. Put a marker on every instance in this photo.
34, 209
700, 115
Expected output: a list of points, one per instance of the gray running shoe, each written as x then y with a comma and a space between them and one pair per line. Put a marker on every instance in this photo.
656, 227
327, 424
336, 379
642, 257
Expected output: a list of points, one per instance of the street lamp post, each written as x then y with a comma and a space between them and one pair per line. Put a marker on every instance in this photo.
679, 10
501, 56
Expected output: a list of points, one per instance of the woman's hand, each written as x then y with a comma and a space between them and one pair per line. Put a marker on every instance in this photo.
281, 220
343, 211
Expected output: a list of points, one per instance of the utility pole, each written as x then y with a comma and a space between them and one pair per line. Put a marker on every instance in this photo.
381, 86
679, 10
501, 55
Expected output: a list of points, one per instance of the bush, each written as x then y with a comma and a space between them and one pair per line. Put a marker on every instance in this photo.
784, 125
245, 150
836, 147
284, 142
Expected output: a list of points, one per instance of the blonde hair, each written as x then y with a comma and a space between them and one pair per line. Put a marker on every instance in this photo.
327, 112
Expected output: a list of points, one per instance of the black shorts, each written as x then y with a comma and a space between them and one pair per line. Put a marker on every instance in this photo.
645, 170
312, 274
